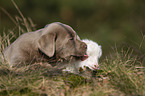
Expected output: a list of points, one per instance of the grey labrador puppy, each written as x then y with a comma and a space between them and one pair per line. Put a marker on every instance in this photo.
55, 40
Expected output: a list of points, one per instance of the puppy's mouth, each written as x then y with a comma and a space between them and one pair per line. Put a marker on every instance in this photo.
82, 58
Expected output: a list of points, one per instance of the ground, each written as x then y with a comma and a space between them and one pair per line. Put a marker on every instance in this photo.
120, 74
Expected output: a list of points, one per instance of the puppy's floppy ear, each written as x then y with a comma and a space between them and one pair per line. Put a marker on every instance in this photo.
46, 44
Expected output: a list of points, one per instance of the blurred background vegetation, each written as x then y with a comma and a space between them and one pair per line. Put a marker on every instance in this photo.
111, 23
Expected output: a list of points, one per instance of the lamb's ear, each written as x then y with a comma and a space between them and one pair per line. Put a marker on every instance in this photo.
46, 44
100, 51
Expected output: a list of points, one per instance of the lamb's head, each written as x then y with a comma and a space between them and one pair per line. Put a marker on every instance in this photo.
94, 52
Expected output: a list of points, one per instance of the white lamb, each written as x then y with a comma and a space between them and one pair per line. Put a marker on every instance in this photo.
94, 52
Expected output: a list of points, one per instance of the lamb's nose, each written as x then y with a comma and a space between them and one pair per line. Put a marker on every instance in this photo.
96, 66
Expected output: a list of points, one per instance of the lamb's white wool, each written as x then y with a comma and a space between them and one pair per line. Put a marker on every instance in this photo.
94, 52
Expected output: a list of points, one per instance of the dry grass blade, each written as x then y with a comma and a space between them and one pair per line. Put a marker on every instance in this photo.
32, 24
143, 36
24, 19
5, 11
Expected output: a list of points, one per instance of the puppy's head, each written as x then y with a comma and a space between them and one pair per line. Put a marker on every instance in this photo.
61, 40
94, 52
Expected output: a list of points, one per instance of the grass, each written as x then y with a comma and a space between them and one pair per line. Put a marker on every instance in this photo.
121, 73
118, 76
